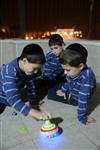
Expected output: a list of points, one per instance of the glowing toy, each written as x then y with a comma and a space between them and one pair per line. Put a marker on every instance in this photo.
49, 129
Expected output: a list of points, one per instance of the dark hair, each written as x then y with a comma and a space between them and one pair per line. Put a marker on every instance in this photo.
55, 39
79, 48
34, 54
72, 58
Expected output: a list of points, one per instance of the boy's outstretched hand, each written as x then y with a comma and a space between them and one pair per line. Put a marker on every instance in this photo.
39, 115
90, 119
60, 93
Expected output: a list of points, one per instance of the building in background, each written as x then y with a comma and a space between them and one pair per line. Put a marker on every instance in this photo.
39, 17
65, 33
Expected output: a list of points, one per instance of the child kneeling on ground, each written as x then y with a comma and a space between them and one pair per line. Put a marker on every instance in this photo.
81, 81
18, 74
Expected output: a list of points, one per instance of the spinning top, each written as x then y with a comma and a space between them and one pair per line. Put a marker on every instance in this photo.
49, 129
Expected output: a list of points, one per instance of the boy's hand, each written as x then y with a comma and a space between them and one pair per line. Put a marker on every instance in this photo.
60, 93
39, 115
90, 119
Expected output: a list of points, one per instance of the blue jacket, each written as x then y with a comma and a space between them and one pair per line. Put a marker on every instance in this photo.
52, 68
80, 89
12, 80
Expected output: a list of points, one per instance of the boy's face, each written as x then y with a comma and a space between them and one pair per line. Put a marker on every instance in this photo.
72, 71
29, 68
56, 49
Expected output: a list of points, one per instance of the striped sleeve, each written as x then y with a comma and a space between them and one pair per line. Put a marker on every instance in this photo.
65, 87
85, 92
13, 94
47, 70
52, 67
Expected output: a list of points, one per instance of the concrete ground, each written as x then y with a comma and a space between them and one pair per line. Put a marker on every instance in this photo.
22, 133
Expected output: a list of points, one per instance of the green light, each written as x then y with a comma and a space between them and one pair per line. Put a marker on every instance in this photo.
22, 129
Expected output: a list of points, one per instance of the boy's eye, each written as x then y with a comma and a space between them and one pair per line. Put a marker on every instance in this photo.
54, 48
67, 70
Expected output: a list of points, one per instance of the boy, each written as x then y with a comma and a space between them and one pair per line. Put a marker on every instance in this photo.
81, 81
17, 74
52, 68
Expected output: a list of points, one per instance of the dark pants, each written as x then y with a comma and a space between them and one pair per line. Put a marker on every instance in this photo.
48, 87
2, 108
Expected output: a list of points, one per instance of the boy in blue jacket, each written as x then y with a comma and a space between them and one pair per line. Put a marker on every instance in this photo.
18, 74
81, 81
52, 68
53, 73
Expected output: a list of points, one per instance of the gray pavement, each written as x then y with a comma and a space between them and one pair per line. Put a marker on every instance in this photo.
22, 133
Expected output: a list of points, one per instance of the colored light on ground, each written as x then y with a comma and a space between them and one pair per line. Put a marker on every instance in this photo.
22, 129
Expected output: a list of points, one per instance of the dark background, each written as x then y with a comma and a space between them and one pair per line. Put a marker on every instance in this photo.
22, 16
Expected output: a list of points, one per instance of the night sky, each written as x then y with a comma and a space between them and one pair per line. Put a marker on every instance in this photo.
43, 15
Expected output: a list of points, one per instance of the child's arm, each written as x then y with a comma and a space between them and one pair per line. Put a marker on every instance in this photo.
83, 99
47, 70
88, 85
60, 93
14, 100
31, 95
63, 90
13, 95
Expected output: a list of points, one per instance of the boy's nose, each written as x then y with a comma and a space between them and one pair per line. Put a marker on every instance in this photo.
55, 52
65, 72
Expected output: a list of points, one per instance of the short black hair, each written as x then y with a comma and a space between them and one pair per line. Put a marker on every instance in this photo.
79, 48
72, 57
55, 39
34, 54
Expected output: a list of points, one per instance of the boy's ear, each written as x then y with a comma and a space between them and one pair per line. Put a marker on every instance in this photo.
63, 46
81, 66
25, 60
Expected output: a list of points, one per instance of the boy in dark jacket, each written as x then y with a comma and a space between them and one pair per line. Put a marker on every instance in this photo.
18, 74
52, 68
81, 81
53, 72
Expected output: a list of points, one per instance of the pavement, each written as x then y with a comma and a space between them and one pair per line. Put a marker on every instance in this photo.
23, 133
